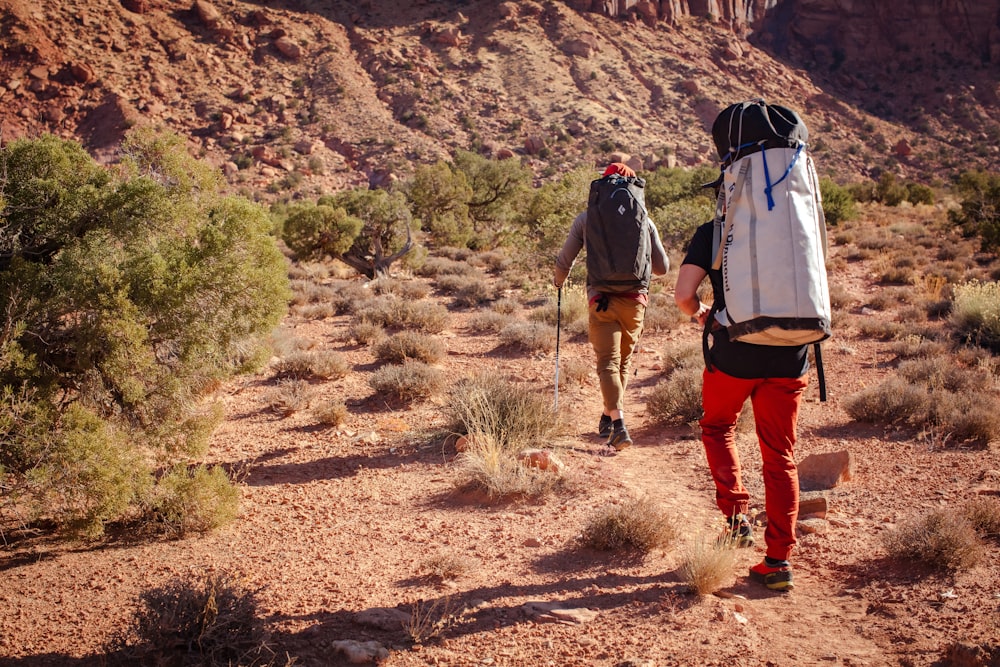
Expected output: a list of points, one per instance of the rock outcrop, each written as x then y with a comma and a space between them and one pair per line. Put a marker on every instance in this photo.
918, 32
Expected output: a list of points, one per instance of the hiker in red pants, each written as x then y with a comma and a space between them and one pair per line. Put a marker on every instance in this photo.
773, 378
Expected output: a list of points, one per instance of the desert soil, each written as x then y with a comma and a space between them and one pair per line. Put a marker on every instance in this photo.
338, 521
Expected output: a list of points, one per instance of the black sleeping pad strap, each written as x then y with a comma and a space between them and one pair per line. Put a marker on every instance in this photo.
819, 372
704, 336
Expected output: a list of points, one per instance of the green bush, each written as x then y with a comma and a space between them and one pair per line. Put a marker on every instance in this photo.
980, 209
126, 295
198, 499
889, 191
838, 203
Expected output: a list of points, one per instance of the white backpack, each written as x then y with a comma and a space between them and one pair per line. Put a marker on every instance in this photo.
770, 245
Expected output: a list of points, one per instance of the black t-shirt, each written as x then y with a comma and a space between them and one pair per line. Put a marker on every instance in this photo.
742, 360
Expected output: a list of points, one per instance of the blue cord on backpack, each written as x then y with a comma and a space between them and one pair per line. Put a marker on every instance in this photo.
767, 175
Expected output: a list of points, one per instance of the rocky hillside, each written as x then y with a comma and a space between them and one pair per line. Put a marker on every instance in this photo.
308, 95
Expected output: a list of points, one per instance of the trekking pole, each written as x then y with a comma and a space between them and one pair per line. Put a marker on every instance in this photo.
558, 326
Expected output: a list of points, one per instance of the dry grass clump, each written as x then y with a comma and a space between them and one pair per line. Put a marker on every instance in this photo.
289, 396
943, 539
983, 513
450, 283
637, 524
575, 370
529, 336
348, 296
573, 307
410, 381
404, 289
677, 400
505, 306
914, 346
500, 419
195, 500
211, 621
410, 345
319, 364
662, 314
495, 260
976, 313
682, 355
707, 563
316, 311
428, 620
331, 413
446, 566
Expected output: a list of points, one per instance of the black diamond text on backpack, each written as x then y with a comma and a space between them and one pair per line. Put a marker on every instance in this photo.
619, 248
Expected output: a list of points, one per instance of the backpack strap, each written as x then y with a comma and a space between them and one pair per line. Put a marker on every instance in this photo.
819, 372
768, 185
705, 334
730, 220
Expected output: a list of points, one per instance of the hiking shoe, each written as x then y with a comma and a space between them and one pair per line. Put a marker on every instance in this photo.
619, 438
775, 577
739, 532
604, 427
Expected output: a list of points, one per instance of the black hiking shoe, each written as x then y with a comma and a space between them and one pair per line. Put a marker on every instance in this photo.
604, 427
619, 438
775, 577
738, 532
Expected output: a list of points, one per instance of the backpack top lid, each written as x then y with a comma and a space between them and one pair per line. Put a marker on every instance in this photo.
748, 127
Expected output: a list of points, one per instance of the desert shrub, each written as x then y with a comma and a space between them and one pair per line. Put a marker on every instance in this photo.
348, 297
677, 220
636, 524
707, 564
576, 371
912, 346
198, 499
392, 312
365, 333
890, 402
319, 364
407, 345
450, 283
131, 292
682, 355
511, 415
439, 196
366, 229
677, 399
983, 513
316, 311
492, 467
889, 190
840, 297
436, 267
965, 417
213, 620
446, 566
839, 204
546, 217
662, 314
529, 336
495, 260
505, 306
289, 396
331, 412
573, 306
941, 538
917, 193
976, 313
488, 322
474, 292
84, 473
980, 207
410, 381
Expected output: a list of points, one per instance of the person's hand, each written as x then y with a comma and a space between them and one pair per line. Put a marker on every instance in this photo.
702, 315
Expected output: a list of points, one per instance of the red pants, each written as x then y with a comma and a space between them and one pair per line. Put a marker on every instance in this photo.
776, 409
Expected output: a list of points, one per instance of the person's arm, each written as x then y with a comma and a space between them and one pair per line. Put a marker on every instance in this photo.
570, 249
661, 263
689, 277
